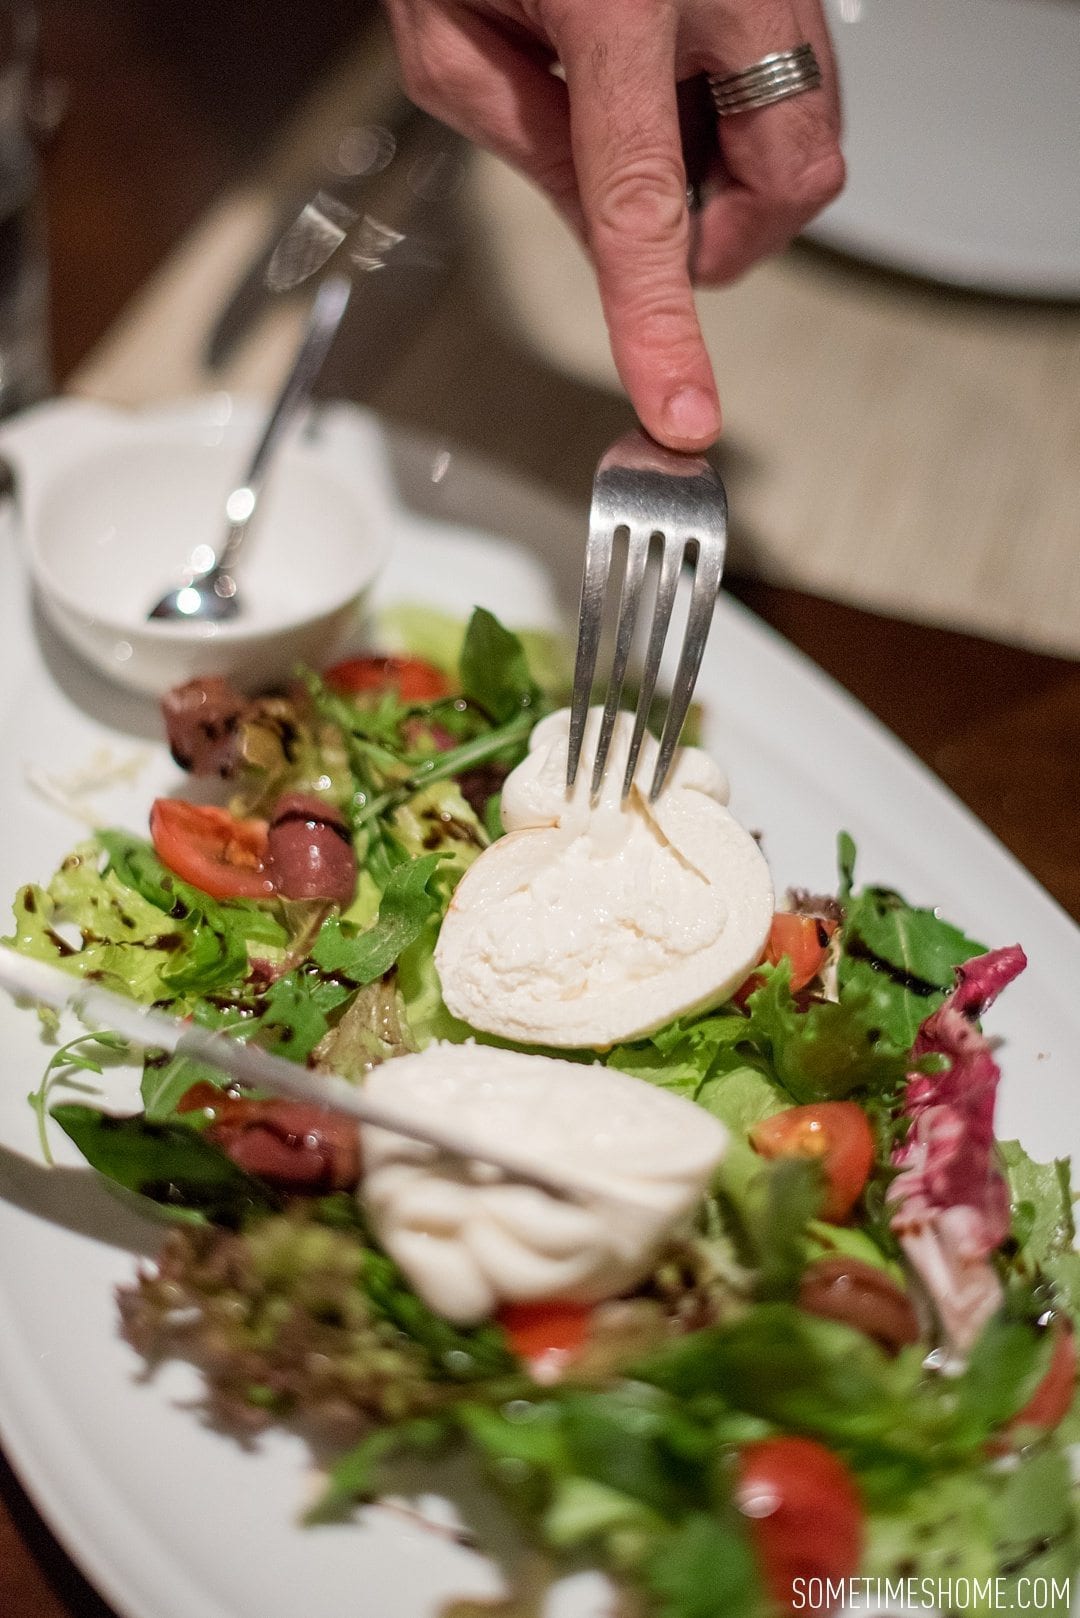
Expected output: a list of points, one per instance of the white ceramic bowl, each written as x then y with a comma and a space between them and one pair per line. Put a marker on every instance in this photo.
111, 504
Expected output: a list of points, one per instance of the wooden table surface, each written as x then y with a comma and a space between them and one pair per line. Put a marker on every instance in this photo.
169, 102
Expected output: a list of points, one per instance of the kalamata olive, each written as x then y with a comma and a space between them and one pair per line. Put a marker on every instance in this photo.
202, 719
859, 1295
291, 1144
310, 852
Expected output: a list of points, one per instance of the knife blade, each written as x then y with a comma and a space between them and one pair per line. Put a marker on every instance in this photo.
360, 155
395, 219
257, 1069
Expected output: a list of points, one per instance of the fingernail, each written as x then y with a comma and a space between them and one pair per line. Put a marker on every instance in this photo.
693, 414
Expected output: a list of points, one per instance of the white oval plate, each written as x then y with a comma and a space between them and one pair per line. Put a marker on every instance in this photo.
962, 137
172, 1520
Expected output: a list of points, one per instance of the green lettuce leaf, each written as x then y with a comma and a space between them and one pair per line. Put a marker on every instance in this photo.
682, 1055
827, 1050
216, 933
142, 931
437, 820
1043, 1224
969, 1526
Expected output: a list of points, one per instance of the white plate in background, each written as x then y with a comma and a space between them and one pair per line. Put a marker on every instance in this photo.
172, 1520
962, 137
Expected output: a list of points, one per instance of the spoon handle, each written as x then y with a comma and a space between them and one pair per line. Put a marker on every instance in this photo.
327, 311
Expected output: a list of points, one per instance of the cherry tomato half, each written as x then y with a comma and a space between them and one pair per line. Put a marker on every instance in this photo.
803, 940
413, 679
803, 1513
1050, 1402
837, 1134
211, 849
538, 1331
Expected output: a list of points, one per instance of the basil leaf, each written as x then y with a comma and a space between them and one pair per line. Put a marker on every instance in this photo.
170, 1163
495, 670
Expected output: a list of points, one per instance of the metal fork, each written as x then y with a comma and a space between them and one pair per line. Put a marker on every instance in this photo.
650, 493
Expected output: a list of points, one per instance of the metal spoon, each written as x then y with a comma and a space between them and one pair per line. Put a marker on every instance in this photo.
209, 591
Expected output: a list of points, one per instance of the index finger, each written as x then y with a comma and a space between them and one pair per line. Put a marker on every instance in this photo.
620, 72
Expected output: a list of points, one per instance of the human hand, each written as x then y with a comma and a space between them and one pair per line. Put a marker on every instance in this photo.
604, 143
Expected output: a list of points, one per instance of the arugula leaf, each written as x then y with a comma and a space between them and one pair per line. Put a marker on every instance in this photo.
170, 1163
166, 1079
916, 943
891, 1006
895, 1422
805, 1373
767, 1208
406, 906
76, 1056
294, 1015
1004, 1368
898, 958
460, 1354
846, 855
494, 669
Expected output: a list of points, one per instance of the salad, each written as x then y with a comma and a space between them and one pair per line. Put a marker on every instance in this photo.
850, 1357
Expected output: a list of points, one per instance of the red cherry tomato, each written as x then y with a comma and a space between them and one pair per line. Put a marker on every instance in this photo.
211, 849
540, 1331
411, 678
803, 1513
1050, 1402
803, 940
837, 1134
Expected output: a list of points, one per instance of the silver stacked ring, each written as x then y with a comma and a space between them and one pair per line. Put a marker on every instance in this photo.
774, 78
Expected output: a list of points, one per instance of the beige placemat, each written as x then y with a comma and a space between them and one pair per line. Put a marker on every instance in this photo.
908, 449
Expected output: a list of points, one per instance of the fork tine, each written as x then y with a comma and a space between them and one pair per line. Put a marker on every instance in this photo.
629, 602
662, 609
593, 588
707, 573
